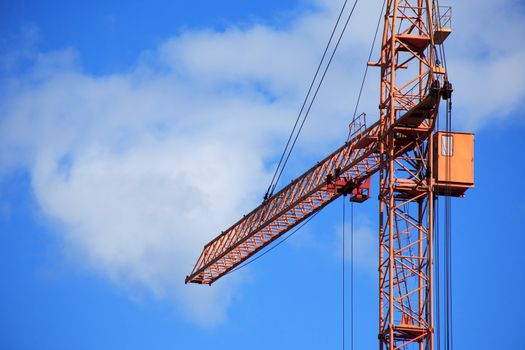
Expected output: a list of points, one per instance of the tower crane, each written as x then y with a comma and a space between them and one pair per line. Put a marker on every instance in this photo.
415, 164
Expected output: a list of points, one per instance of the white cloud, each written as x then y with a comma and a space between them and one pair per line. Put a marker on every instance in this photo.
141, 169
485, 60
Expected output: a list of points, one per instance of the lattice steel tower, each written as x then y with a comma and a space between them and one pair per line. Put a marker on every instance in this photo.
409, 100
415, 164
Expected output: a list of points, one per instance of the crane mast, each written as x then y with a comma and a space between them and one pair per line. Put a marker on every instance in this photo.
402, 147
410, 93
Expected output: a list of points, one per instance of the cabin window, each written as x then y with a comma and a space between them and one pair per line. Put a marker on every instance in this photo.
447, 145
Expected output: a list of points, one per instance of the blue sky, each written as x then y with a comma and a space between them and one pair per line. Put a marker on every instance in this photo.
132, 134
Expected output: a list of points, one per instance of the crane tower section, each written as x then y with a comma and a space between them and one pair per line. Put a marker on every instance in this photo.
412, 84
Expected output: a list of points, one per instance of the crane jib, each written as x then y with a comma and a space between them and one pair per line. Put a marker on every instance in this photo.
338, 174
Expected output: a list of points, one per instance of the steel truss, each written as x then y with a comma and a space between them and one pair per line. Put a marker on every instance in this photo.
399, 146
408, 111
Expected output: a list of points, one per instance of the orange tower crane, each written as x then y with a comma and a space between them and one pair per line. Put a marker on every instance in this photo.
415, 165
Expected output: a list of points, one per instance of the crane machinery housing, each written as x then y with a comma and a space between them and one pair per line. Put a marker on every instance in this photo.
415, 164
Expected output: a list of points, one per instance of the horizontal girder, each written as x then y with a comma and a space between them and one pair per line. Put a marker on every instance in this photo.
337, 174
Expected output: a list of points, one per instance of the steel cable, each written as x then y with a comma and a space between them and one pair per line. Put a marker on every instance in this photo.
317, 90
366, 67
271, 187
343, 274
352, 275
280, 172
274, 246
